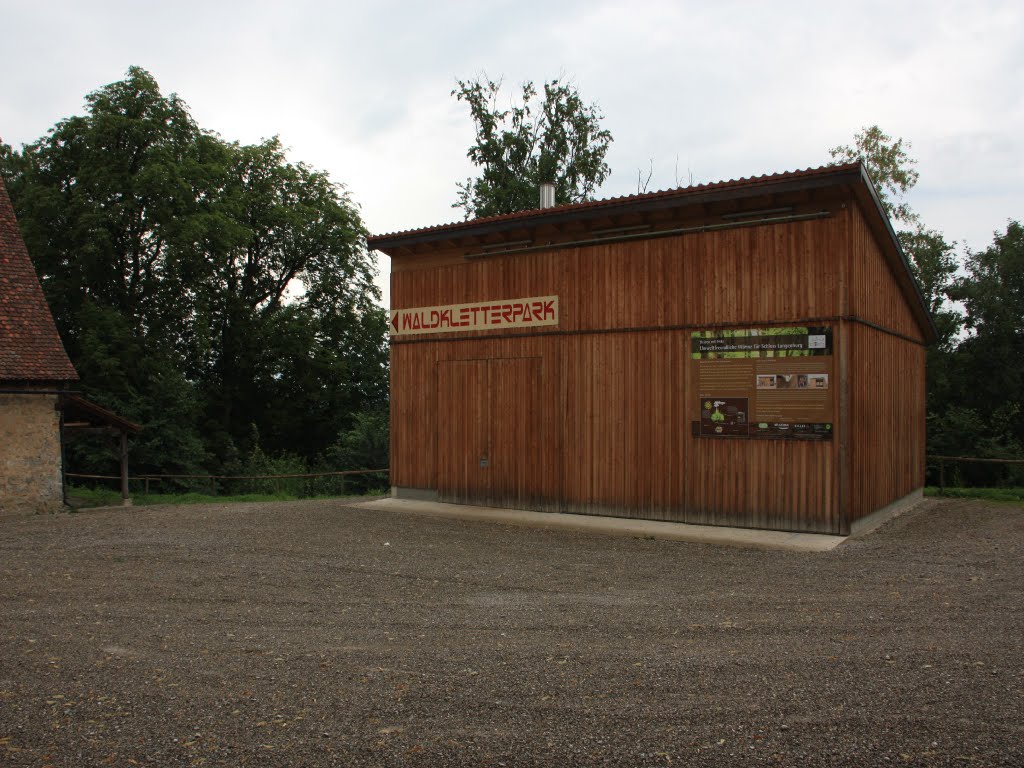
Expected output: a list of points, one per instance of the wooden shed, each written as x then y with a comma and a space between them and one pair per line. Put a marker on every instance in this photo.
747, 353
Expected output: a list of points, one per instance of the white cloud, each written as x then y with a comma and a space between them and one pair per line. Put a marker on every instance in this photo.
731, 88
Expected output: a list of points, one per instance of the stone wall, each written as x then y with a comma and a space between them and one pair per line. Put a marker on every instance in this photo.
30, 462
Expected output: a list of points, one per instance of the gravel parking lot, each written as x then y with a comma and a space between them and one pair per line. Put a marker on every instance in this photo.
315, 633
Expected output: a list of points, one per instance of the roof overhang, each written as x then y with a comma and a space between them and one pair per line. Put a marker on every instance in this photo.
684, 197
85, 414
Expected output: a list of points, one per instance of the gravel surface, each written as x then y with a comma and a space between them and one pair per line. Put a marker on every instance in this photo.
318, 634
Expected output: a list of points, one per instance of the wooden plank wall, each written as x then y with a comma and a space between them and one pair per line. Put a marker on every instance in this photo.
642, 461
887, 419
424, 429
619, 440
465, 420
886, 382
753, 274
875, 295
622, 401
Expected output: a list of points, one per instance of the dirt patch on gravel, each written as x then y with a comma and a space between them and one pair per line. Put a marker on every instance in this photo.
314, 633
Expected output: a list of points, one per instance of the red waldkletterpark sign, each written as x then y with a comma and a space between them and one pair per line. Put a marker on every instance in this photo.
478, 316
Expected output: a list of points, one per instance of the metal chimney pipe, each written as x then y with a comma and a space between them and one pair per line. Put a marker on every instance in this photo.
547, 195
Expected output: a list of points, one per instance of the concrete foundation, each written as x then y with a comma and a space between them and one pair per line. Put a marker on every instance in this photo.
879, 517
614, 526
414, 494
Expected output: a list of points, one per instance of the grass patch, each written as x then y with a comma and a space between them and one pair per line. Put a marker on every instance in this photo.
104, 497
1015, 495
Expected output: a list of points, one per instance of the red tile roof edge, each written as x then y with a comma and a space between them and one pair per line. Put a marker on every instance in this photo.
30, 346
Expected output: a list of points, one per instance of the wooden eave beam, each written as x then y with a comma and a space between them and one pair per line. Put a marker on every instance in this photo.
402, 250
72, 432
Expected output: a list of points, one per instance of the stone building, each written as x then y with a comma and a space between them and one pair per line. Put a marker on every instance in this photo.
34, 371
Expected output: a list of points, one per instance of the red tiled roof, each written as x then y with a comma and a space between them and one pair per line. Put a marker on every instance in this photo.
625, 200
30, 347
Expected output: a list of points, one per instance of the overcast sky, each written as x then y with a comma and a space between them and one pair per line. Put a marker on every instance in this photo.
720, 90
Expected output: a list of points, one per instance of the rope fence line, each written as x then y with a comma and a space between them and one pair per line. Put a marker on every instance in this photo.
230, 477
975, 458
953, 459
214, 479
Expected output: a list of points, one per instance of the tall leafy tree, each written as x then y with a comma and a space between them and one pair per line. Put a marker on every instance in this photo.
992, 292
289, 256
101, 200
933, 259
992, 289
554, 138
934, 263
983, 413
889, 166
210, 290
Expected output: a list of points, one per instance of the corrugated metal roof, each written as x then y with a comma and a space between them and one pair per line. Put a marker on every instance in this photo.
537, 214
30, 347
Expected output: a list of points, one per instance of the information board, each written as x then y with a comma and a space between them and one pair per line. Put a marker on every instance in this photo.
764, 382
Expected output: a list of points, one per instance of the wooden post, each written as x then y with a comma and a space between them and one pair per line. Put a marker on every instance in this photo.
126, 500
942, 478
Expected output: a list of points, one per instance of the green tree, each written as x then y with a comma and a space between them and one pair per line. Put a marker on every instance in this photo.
201, 286
11, 165
992, 356
366, 445
976, 383
289, 274
119, 368
101, 199
934, 262
556, 139
993, 288
889, 166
